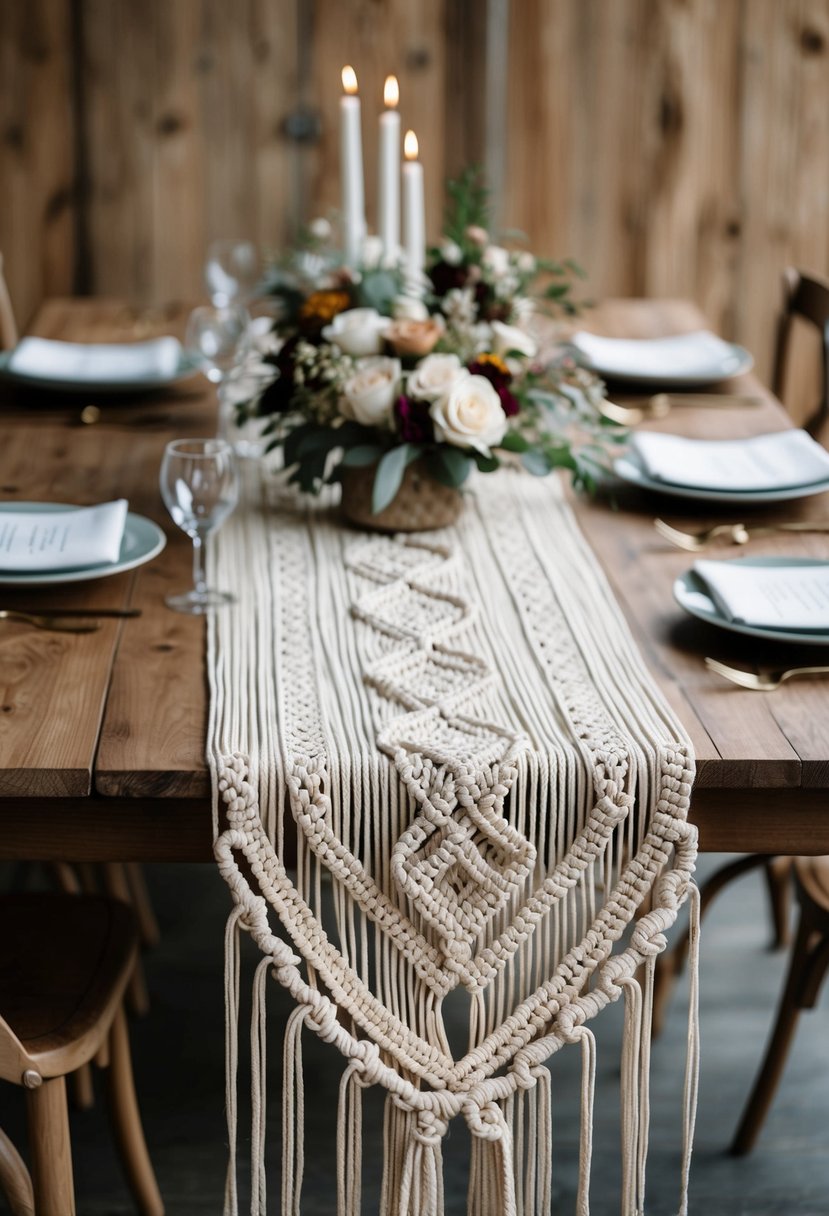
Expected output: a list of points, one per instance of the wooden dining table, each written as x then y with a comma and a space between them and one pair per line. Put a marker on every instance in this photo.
102, 735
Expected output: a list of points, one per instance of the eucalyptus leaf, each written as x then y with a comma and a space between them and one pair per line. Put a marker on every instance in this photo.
378, 289
513, 441
388, 477
536, 462
361, 456
450, 466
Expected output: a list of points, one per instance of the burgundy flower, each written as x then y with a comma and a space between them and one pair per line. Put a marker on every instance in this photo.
446, 278
413, 420
494, 369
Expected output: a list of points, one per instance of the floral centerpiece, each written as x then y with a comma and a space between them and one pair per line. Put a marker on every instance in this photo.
366, 372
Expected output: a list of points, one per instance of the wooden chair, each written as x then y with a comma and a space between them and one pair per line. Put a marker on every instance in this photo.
64, 966
805, 299
807, 968
8, 326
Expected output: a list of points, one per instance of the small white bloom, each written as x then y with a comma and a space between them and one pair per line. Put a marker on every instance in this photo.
477, 235
434, 377
496, 259
451, 253
525, 262
407, 308
471, 416
371, 252
357, 331
459, 306
320, 228
369, 393
507, 338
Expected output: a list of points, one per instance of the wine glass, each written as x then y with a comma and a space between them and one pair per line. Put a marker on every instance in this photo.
200, 487
231, 271
218, 337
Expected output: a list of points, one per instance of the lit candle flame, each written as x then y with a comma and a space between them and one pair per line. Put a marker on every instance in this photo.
410, 146
349, 79
391, 92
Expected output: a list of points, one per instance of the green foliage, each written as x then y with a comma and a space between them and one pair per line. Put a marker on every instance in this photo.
468, 205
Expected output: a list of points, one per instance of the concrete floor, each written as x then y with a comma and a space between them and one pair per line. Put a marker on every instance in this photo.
178, 1052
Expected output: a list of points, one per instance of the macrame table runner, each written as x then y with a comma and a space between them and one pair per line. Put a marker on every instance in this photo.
489, 798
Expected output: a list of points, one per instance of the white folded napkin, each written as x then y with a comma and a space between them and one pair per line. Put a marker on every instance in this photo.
697, 354
92, 363
764, 462
34, 541
790, 596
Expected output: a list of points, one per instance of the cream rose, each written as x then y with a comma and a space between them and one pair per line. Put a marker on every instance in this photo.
369, 394
357, 331
407, 308
471, 415
434, 377
416, 338
506, 338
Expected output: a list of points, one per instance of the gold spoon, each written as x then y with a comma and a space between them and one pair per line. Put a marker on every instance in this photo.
762, 681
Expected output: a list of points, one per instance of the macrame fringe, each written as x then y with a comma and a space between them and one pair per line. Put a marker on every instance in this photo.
258, 1082
231, 1203
293, 1113
350, 1143
691, 1091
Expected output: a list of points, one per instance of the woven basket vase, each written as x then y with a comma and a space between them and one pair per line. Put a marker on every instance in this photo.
419, 505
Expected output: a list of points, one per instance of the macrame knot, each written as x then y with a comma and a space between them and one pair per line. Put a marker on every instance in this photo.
430, 1128
484, 1120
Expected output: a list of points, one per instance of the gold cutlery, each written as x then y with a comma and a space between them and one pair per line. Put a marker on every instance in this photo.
765, 679
737, 534
660, 404
55, 624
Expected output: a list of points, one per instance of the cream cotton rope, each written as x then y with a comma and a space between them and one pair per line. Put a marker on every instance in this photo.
489, 798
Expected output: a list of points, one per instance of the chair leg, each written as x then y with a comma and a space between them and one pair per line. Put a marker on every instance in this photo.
83, 1092
806, 969
115, 884
127, 1121
142, 905
15, 1180
51, 1154
778, 875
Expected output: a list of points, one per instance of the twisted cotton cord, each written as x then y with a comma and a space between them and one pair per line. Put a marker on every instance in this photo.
258, 1088
691, 1089
646, 1040
631, 1094
349, 1142
293, 1113
231, 985
585, 1036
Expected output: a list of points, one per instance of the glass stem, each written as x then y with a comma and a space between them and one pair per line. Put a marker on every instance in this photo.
199, 578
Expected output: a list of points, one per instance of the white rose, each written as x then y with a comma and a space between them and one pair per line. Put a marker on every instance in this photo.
369, 394
451, 253
407, 308
371, 252
471, 416
434, 377
357, 331
320, 228
496, 260
506, 338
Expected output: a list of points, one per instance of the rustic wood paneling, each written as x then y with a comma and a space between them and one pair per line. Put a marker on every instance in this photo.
675, 147
36, 150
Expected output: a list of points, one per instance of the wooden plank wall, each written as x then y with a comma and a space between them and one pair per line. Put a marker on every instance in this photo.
675, 147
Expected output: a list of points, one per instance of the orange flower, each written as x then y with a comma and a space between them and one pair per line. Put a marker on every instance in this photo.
323, 306
416, 338
495, 362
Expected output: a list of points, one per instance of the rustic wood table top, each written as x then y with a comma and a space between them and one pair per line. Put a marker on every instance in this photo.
102, 735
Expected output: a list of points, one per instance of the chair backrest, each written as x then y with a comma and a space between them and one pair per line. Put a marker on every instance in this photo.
805, 299
8, 325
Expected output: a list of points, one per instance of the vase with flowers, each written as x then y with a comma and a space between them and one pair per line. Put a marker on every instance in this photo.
398, 391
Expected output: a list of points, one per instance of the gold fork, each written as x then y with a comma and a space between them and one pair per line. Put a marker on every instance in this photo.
765, 680
738, 534
660, 404
53, 623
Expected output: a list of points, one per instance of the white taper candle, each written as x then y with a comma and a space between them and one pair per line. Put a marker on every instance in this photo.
388, 204
351, 169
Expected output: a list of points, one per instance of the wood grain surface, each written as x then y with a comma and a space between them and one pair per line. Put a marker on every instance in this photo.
674, 147
102, 736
